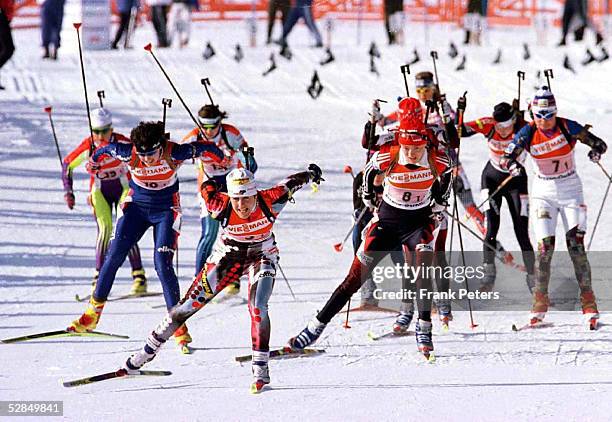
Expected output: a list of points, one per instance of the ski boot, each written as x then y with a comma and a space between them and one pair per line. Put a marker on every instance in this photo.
539, 309
402, 322
308, 335
423, 338
488, 281
139, 285
259, 368
589, 309
182, 338
444, 312
144, 355
89, 320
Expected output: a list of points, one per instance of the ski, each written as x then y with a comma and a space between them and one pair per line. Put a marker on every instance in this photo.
529, 326
372, 336
114, 374
127, 296
429, 357
283, 352
257, 387
62, 333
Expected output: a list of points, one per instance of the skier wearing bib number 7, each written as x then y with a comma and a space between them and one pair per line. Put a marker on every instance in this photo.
556, 190
152, 201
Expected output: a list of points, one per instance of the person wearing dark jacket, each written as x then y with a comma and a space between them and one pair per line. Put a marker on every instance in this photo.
52, 15
7, 47
274, 6
124, 8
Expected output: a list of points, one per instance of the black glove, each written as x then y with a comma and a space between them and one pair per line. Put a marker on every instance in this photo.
461, 103
594, 155
315, 173
370, 200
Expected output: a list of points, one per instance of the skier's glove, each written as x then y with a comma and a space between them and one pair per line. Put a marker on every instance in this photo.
69, 198
516, 169
594, 155
505, 162
208, 188
315, 173
461, 103
370, 200
92, 167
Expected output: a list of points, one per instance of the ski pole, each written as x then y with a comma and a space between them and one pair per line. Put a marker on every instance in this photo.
456, 211
286, 281
549, 75
603, 203
77, 26
59, 154
100, 96
349, 169
495, 192
405, 69
206, 83
348, 311
521, 76
434, 57
149, 48
339, 246
167, 103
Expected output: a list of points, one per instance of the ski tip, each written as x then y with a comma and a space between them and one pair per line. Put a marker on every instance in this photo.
186, 350
431, 358
514, 327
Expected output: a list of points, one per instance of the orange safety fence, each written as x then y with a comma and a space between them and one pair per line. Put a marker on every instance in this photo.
500, 12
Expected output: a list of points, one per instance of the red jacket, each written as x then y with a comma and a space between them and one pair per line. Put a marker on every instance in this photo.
8, 8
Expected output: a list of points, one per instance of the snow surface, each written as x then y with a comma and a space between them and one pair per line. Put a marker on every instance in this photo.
46, 251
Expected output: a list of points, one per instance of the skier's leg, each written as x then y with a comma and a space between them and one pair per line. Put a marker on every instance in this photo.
207, 283
574, 218
518, 204
130, 229
440, 263
104, 221
378, 240
261, 283
312, 26
464, 192
210, 229
546, 213
165, 234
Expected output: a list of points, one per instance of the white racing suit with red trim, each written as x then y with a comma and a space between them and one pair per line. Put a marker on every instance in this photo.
246, 247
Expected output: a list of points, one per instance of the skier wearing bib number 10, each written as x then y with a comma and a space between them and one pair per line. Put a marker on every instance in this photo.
416, 185
556, 190
108, 186
152, 201
246, 246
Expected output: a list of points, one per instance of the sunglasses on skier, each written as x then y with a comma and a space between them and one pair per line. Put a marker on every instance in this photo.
101, 131
148, 153
210, 126
423, 89
545, 114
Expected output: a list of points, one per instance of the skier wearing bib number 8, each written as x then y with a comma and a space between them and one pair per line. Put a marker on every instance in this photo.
416, 185
152, 201
108, 186
556, 190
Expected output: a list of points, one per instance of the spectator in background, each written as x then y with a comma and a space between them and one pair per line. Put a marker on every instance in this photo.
392, 7
284, 6
159, 16
577, 9
126, 8
475, 20
179, 20
51, 15
7, 48
302, 9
